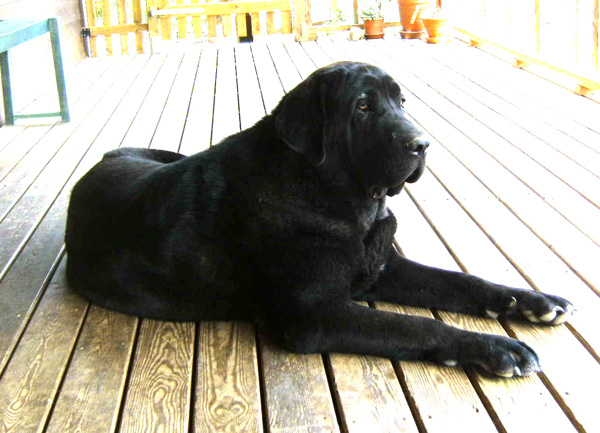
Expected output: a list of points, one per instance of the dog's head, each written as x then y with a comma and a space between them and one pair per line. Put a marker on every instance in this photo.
351, 116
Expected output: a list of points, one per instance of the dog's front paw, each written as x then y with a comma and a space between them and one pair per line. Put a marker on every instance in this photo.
534, 306
501, 356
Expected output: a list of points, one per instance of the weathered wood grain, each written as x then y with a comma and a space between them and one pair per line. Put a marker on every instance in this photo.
29, 384
298, 397
91, 394
159, 390
227, 396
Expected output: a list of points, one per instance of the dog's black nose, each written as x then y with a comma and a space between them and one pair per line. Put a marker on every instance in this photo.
418, 145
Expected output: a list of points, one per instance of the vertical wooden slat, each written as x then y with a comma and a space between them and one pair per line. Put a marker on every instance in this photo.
91, 22
270, 25
302, 19
255, 23
596, 19
165, 22
106, 21
355, 7
334, 14
226, 21
197, 23
211, 21
537, 26
122, 15
182, 24
286, 22
240, 25
137, 19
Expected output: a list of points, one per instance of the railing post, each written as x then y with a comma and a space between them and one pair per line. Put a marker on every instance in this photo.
538, 31
301, 19
596, 18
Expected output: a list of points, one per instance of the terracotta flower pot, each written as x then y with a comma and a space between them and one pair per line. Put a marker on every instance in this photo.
373, 29
410, 17
437, 29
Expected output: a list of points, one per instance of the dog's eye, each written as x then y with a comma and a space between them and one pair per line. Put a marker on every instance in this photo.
364, 107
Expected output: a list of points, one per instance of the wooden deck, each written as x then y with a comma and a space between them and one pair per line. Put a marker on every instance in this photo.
512, 193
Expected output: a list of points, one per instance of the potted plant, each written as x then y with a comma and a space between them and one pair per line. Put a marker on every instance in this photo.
437, 25
373, 19
410, 17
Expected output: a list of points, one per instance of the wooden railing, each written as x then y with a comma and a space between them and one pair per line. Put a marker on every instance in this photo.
124, 23
560, 35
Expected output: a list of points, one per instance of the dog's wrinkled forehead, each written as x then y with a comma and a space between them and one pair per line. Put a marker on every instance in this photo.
352, 79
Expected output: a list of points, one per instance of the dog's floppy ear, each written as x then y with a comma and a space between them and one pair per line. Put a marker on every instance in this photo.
300, 120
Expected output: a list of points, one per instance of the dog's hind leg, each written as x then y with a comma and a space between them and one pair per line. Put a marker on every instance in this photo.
405, 282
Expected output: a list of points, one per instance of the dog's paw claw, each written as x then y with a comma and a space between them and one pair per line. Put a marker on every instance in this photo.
506, 357
492, 314
555, 316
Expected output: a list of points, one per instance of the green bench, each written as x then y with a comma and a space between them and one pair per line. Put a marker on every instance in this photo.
17, 31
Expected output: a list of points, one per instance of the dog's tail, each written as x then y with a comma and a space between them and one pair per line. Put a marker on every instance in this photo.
163, 156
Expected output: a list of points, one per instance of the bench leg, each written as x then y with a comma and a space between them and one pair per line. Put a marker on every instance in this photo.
9, 117
61, 85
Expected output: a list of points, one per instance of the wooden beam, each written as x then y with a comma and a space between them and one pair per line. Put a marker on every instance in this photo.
118, 30
585, 84
220, 8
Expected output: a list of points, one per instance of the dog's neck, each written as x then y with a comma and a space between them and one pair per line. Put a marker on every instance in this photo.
375, 210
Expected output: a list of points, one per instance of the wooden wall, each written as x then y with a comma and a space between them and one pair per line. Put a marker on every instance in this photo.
31, 63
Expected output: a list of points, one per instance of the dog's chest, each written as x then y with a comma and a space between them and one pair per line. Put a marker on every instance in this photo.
377, 244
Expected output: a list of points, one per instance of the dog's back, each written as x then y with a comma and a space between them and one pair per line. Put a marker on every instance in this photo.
132, 230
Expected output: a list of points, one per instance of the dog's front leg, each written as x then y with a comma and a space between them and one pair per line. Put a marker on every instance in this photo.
405, 282
351, 328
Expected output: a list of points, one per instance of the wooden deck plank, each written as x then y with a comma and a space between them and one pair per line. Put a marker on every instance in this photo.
17, 171
226, 116
144, 126
159, 390
29, 384
227, 395
169, 131
270, 85
297, 394
7, 135
250, 99
581, 110
90, 396
488, 76
198, 126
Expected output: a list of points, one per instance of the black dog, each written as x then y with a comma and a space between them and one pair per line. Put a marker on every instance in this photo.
286, 224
